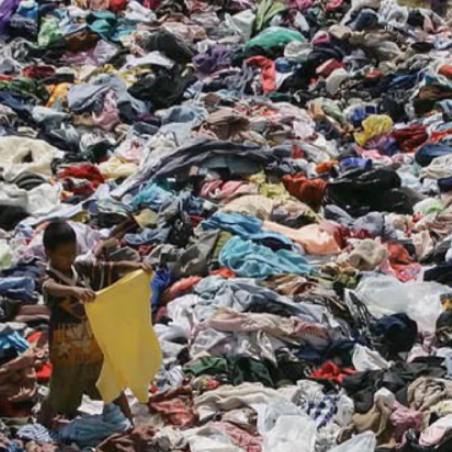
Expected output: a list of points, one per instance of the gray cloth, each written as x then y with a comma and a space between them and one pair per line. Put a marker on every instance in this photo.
193, 260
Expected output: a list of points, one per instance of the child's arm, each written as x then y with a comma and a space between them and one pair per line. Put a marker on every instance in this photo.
59, 290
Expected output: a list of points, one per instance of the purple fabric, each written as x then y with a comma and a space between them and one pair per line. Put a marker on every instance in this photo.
7, 9
214, 59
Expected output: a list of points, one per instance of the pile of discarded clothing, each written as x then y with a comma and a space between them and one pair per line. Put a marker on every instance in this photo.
285, 166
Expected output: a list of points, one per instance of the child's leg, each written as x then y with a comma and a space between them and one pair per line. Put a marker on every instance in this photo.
47, 414
123, 404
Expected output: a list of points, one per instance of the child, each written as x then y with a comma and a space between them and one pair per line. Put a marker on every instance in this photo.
75, 356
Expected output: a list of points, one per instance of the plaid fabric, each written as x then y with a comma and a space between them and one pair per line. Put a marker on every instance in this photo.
324, 411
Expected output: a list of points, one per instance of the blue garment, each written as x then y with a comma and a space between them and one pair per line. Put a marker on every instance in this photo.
426, 153
355, 162
89, 431
322, 411
12, 340
252, 260
37, 433
445, 184
236, 223
246, 227
20, 288
148, 236
162, 279
448, 365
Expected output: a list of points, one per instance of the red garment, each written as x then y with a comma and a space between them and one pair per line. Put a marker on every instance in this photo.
404, 266
225, 273
398, 254
144, 250
310, 191
89, 172
178, 288
195, 220
325, 167
268, 72
329, 371
40, 343
38, 71
411, 137
117, 5
327, 68
445, 70
175, 406
439, 135
334, 4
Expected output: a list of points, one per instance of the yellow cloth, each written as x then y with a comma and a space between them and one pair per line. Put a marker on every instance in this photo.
373, 126
120, 318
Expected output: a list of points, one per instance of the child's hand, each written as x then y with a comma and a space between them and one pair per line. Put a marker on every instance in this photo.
84, 295
147, 267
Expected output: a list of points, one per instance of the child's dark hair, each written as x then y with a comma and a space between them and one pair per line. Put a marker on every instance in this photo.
58, 233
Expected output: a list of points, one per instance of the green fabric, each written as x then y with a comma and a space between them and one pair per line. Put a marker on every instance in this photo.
49, 33
25, 86
275, 37
214, 366
232, 369
266, 10
224, 237
243, 369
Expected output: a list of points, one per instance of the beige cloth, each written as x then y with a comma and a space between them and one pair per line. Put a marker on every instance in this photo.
20, 155
254, 205
367, 255
425, 392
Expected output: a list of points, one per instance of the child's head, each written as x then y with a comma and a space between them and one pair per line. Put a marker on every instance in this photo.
60, 245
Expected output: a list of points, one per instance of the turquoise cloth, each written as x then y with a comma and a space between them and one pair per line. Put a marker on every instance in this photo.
252, 260
275, 37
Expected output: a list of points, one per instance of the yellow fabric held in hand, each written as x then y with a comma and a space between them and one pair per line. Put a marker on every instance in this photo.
120, 318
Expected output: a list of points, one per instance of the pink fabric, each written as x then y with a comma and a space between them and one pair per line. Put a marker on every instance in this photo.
239, 437
404, 418
434, 434
219, 190
108, 118
322, 37
291, 329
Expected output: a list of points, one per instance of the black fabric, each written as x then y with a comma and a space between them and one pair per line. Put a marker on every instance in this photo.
11, 216
361, 191
397, 332
171, 46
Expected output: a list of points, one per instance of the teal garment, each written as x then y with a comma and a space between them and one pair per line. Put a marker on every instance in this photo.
108, 26
102, 23
153, 196
275, 37
251, 260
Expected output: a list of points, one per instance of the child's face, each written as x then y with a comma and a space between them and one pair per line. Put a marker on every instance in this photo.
63, 256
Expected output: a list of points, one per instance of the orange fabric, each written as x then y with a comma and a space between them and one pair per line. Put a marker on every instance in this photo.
310, 191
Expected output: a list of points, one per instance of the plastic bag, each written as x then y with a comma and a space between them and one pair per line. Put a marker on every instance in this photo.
360, 443
291, 434
385, 295
365, 359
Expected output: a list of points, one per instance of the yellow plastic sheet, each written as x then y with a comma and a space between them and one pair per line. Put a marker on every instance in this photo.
120, 319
